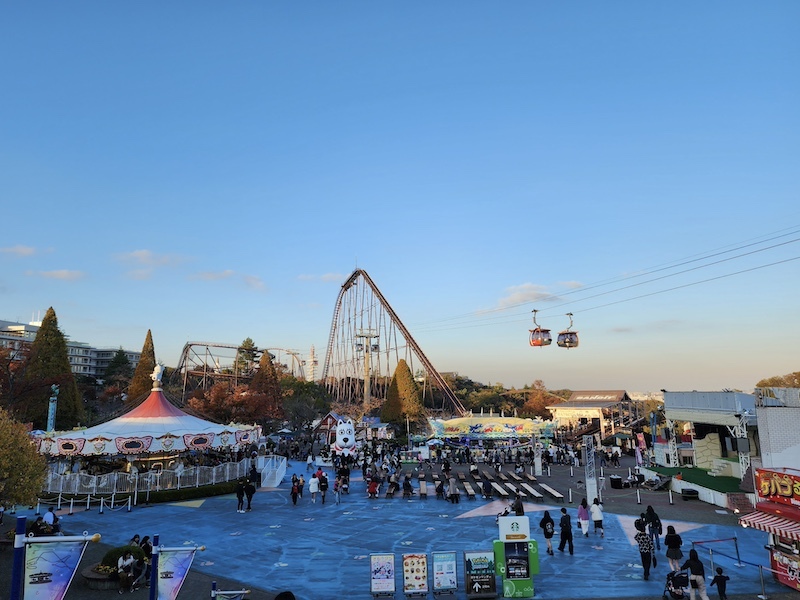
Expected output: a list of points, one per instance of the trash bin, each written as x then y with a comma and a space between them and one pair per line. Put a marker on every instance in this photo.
616, 482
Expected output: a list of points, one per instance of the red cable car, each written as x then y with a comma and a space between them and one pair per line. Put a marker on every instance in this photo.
567, 338
539, 337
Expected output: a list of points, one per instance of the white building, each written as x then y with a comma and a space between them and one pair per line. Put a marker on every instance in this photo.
84, 359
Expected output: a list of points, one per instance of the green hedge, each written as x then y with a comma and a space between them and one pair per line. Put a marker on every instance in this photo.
188, 493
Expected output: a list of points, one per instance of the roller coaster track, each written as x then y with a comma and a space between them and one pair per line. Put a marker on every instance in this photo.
367, 335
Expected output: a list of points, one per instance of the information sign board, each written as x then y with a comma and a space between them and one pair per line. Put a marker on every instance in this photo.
479, 576
415, 573
444, 572
381, 574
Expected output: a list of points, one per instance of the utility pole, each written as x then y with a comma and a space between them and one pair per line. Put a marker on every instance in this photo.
367, 335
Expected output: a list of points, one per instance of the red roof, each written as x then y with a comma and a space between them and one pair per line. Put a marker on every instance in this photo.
155, 406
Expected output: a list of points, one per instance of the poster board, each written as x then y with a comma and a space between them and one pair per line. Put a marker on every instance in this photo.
415, 574
445, 579
479, 576
381, 568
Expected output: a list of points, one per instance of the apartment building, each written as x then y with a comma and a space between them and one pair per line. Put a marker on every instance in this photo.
84, 358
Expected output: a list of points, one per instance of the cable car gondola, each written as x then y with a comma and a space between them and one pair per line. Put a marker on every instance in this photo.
539, 337
567, 338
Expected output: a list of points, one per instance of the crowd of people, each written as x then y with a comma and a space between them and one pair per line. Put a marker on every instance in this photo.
133, 569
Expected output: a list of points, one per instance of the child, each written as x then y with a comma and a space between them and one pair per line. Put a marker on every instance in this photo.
721, 581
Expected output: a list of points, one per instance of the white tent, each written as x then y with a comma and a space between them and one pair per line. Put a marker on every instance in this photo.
154, 426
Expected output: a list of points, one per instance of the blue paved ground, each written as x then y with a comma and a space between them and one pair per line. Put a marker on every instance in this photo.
321, 551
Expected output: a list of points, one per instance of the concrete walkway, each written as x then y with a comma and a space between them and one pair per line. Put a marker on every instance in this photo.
321, 551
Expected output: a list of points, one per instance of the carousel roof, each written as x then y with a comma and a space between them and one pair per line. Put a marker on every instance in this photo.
155, 425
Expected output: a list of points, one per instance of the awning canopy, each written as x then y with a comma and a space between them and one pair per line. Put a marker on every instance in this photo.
785, 528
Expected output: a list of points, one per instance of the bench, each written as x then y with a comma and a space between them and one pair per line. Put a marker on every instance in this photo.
423, 489
487, 475
690, 494
515, 477
461, 476
531, 478
532, 492
500, 490
469, 490
515, 491
555, 494
421, 475
502, 476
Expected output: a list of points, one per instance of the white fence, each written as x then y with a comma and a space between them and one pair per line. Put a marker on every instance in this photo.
272, 468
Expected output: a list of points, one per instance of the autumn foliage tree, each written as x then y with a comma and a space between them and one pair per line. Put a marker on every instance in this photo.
537, 400
48, 365
792, 380
22, 468
141, 383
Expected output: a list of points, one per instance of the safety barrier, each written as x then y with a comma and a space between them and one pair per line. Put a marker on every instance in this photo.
739, 562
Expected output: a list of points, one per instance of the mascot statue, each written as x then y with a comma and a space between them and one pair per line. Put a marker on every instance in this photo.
345, 444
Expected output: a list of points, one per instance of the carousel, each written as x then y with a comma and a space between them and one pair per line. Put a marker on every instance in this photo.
152, 436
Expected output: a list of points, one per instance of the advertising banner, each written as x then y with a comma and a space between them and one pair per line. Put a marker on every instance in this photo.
444, 572
777, 486
415, 573
381, 574
173, 566
50, 567
479, 577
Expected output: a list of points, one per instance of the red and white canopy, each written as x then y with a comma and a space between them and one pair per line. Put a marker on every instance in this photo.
153, 426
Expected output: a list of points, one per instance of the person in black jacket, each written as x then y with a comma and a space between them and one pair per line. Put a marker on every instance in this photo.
697, 574
566, 532
549, 529
249, 490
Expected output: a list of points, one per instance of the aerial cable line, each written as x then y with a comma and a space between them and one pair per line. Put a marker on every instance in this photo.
663, 291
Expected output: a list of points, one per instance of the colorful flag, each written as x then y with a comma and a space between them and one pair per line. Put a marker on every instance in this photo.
173, 566
50, 567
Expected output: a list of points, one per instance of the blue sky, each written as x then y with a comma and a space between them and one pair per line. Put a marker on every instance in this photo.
213, 171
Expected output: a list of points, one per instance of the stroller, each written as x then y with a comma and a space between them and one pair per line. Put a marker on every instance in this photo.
675, 584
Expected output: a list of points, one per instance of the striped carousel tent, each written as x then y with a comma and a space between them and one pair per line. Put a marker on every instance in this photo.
155, 426
492, 427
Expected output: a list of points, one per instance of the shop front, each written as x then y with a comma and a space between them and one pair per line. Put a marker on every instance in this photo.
778, 513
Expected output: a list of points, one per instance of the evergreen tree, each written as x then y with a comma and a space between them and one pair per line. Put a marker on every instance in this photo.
265, 382
22, 468
141, 384
403, 398
246, 356
119, 370
48, 365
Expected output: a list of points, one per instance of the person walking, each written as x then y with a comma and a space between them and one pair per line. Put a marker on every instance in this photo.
653, 526
313, 487
645, 547
239, 496
294, 492
721, 581
337, 489
548, 527
583, 517
301, 483
566, 532
673, 542
596, 511
517, 506
323, 486
697, 574
249, 490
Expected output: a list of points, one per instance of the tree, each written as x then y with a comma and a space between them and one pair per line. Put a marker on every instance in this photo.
48, 365
537, 401
14, 386
22, 468
141, 383
403, 398
246, 356
266, 382
119, 370
792, 380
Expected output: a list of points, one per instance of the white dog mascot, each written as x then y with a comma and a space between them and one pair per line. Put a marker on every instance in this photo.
345, 443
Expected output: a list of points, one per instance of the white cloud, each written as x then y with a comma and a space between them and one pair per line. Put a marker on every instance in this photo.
62, 274
149, 258
525, 293
254, 282
214, 275
140, 274
572, 285
19, 250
